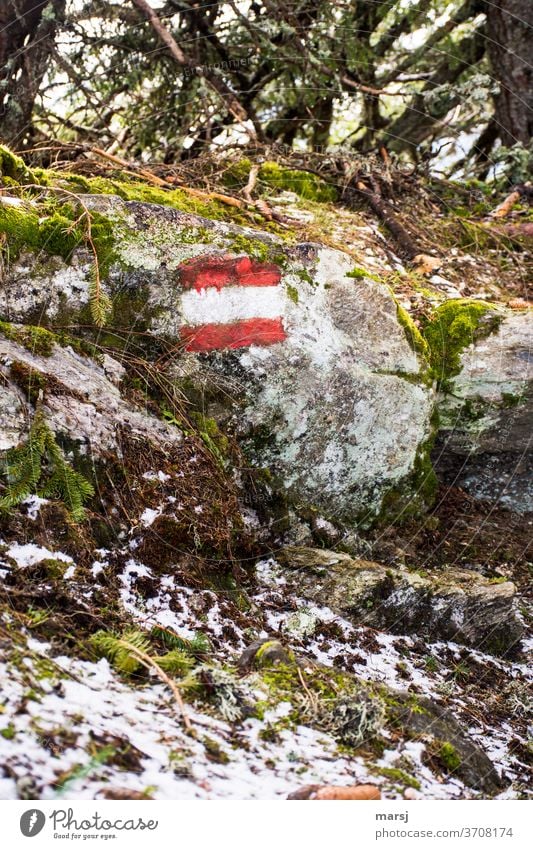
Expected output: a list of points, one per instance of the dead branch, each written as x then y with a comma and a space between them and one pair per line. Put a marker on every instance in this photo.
384, 212
230, 98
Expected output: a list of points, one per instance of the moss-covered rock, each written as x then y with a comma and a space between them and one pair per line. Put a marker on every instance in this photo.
455, 325
458, 605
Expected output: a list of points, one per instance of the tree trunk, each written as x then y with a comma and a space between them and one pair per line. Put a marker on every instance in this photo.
27, 32
510, 32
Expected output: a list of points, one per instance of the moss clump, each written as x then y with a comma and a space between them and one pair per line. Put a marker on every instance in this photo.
38, 340
413, 334
308, 186
362, 273
273, 176
21, 229
214, 752
9, 732
53, 569
399, 776
292, 292
450, 757
257, 249
13, 167
213, 438
56, 230
456, 324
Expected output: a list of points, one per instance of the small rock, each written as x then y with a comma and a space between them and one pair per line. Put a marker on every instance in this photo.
301, 624
262, 653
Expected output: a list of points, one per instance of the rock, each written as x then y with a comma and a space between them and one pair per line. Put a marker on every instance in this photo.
458, 754
484, 444
166, 482
13, 417
453, 604
310, 368
301, 624
262, 653
331, 792
80, 400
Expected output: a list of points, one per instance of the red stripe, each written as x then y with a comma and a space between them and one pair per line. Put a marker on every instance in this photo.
204, 271
240, 334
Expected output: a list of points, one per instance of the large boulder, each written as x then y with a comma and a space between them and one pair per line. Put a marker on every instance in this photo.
485, 417
453, 604
309, 367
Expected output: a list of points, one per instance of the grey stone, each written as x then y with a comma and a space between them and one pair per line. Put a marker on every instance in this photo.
486, 419
452, 604
80, 402
432, 723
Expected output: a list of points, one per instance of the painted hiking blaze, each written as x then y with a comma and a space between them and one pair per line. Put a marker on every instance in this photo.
230, 302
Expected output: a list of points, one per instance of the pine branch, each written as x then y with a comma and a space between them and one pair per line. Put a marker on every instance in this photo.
41, 457
198, 646
130, 651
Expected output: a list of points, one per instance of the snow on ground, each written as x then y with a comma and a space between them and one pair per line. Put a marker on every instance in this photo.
71, 728
93, 704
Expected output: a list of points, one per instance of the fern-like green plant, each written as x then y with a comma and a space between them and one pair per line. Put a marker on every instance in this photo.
175, 662
124, 651
100, 303
39, 467
130, 651
197, 646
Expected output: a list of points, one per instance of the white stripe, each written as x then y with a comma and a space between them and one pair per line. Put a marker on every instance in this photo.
231, 303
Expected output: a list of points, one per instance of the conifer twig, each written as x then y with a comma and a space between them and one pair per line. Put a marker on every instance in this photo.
150, 663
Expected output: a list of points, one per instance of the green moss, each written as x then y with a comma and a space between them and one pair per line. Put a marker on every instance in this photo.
413, 334
213, 438
284, 683
292, 292
21, 229
308, 186
450, 757
9, 732
306, 277
257, 249
54, 569
236, 176
399, 776
362, 273
214, 752
13, 167
509, 400
455, 325
55, 229
273, 176
38, 340
175, 198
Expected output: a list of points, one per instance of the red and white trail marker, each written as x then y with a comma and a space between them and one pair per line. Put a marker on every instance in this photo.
230, 302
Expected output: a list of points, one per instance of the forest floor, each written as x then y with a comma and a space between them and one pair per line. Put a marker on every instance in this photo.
76, 728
